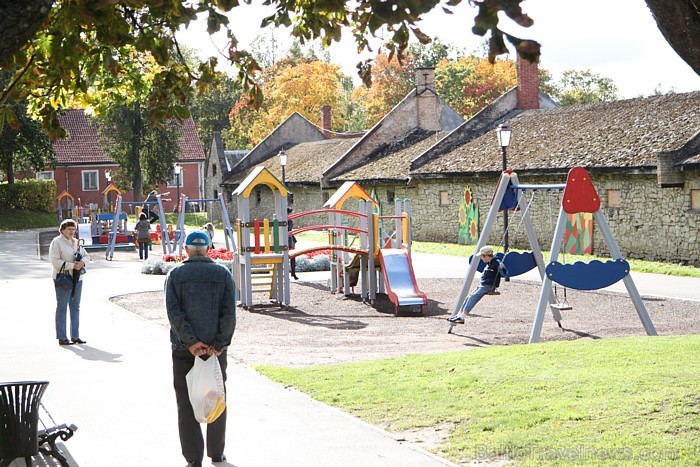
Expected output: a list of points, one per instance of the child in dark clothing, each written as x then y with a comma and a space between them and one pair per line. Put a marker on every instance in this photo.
490, 280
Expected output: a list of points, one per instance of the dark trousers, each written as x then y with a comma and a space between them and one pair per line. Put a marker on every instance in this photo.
143, 248
191, 440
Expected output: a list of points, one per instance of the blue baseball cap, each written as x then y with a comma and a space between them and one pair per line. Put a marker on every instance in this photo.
197, 238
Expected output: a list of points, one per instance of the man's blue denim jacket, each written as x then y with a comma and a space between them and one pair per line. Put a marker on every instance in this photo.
200, 298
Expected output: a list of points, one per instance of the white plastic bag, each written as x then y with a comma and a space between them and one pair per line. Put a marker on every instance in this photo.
205, 384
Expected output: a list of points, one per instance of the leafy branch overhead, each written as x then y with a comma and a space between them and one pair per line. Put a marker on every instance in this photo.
87, 53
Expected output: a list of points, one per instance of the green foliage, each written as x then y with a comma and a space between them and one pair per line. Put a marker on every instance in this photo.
146, 155
79, 52
24, 146
210, 109
584, 87
628, 401
430, 55
31, 195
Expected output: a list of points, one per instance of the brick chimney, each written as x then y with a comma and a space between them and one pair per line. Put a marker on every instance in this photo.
425, 79
528, 84
326, 121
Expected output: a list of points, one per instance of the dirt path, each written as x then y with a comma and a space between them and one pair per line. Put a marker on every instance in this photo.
322, 328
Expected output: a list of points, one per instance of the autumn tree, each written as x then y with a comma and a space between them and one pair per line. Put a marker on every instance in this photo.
85, 36
291, 85
470, 83
391, 81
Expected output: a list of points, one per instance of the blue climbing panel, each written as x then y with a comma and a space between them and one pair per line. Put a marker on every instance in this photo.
588, 276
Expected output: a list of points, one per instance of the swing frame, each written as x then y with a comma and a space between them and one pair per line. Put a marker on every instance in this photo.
509, 185
580, 196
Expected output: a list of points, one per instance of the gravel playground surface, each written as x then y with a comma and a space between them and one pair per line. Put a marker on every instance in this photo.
323, 328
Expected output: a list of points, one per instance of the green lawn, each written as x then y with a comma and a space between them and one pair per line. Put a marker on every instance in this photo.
630, 401
13, 219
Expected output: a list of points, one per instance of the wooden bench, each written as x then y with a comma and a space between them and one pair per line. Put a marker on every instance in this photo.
53, 425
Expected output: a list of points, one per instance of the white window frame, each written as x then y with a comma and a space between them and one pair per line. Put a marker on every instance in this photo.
45, 175
96, 173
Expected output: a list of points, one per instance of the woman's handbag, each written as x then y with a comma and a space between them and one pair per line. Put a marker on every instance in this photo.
63, 280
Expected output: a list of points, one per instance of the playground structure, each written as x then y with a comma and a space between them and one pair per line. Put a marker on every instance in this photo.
262, 262
579, 196
263, 265
179, 232
114, 225
374, 252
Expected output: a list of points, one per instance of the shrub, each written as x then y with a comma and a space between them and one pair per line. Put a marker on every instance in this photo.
29, 195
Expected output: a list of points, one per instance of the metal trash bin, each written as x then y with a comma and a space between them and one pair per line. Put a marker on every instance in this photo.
19, 420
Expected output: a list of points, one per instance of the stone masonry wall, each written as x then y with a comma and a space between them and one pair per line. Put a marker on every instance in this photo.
652, 223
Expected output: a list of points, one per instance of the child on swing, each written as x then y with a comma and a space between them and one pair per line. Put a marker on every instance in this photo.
490, 280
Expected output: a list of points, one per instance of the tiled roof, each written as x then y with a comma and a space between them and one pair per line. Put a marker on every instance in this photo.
82, 144
626, 133
305, 161
192, 148
393, 161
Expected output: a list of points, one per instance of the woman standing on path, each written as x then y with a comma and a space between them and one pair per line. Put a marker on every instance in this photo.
143, 235
66, 253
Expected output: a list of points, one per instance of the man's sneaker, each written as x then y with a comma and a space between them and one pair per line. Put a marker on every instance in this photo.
456, 320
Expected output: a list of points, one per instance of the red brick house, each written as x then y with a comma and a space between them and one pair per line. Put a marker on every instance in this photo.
82, 168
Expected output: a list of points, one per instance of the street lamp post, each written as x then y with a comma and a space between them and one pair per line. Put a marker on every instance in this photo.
283, 162
178, 171
105, 201
504, 133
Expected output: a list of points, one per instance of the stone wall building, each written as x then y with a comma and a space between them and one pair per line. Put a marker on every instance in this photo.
642, 155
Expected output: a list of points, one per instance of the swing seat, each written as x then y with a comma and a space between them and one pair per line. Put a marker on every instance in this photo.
593, 275
561, 306
493, 292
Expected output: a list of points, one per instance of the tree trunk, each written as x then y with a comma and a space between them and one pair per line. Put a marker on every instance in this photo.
137, 177
679, 22
9, 170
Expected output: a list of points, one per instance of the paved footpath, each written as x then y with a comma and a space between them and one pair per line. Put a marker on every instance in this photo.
117, 388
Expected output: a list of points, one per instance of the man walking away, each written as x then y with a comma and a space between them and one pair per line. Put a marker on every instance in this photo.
200, 298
